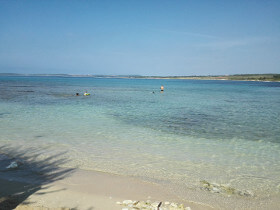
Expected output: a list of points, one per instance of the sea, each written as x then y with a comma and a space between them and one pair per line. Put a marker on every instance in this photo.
194, 132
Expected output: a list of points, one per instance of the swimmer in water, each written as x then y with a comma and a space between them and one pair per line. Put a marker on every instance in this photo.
162, 88
86, 94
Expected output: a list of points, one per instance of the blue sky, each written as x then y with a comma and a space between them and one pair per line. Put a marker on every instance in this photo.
140, 37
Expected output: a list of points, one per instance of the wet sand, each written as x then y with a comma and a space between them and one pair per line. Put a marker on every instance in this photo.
29, 181
41, 183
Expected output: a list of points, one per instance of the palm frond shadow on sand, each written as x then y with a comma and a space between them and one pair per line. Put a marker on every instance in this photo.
32, 174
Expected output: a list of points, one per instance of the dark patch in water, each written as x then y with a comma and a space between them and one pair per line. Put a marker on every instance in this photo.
60, 95
230, 101
21, 86
4, 113
39, 136
26, 91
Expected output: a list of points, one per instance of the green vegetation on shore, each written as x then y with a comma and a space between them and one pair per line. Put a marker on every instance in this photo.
259, 77
243, 77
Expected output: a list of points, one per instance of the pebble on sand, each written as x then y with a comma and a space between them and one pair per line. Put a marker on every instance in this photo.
156, 205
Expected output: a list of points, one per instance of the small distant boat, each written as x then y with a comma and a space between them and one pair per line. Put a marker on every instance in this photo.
86, 94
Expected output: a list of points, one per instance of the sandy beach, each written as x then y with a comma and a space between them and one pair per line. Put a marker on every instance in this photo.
84, 190
31, 181
40, 183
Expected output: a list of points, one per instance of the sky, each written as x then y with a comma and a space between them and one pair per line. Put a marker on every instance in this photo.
140, 37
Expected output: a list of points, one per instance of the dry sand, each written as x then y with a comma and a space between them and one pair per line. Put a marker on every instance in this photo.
84, 190
41, 183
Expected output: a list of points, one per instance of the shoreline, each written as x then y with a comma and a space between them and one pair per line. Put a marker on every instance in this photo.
87, 190
30, 182
43, 184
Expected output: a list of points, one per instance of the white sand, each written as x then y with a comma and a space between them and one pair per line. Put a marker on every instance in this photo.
97, 190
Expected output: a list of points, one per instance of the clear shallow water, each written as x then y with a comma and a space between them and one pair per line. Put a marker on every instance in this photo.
220, 131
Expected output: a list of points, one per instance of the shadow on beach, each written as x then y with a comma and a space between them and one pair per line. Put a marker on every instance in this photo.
32, 173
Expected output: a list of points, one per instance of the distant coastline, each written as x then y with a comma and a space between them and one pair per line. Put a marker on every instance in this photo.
239, 77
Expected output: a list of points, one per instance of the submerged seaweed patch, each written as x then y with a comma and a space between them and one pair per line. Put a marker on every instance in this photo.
39, 136
4, 113
26, 91
224, 189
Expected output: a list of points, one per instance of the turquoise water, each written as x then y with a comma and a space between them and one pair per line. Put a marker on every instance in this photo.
220, 131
